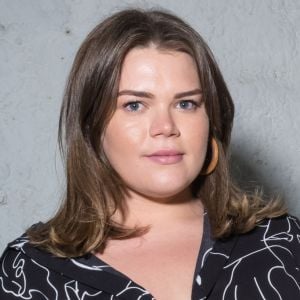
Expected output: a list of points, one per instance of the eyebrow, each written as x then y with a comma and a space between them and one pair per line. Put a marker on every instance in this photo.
143, 94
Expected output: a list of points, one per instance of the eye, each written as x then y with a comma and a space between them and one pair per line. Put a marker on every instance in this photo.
133, 106
188, 104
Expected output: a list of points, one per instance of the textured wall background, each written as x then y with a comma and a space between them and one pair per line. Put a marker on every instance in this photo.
256, 42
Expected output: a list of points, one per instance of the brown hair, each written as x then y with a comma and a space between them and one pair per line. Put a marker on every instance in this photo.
94, 190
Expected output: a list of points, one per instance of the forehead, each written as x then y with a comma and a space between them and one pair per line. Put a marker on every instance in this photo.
151, 65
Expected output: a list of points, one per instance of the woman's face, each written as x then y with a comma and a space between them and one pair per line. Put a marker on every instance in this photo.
157, 138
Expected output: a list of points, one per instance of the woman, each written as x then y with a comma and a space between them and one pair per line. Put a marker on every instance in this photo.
150, 210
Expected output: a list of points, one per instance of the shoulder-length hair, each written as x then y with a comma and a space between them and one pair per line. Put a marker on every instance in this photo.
94, 191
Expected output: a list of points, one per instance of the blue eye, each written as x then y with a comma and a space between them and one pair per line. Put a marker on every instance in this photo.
133, 106
187, 104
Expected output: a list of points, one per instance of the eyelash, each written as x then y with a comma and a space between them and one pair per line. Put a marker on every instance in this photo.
194, 103
127, 104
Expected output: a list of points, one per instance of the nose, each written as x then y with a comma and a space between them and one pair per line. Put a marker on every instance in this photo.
163, 123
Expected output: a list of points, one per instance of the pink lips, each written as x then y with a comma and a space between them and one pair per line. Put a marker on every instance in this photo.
166, 157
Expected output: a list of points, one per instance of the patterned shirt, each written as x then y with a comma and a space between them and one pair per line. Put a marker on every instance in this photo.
261, 264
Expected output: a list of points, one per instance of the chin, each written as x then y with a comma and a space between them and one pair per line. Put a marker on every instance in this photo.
164, 192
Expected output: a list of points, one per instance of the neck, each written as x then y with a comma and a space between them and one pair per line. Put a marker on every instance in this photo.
140, 210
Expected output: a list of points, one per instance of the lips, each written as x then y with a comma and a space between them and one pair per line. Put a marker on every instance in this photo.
166, 157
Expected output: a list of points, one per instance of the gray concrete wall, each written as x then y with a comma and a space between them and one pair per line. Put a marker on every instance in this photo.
256, 42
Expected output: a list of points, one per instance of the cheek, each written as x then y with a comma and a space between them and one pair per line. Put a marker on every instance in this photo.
196, 133
196, 137
121, 140
198, 148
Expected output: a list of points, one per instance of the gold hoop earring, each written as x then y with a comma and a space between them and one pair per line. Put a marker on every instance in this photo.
214, 158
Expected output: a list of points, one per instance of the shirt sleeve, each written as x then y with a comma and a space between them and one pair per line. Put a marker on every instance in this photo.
22, 277
294, 237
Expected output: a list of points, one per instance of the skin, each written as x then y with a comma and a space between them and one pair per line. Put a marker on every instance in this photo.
152, 115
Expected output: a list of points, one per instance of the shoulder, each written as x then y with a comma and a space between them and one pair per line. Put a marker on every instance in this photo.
14, 259
262, 263
20, 275
266, 260
29, 273
283, 231
280, 234
273, 239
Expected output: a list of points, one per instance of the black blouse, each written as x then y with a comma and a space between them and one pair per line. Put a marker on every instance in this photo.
262, 264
